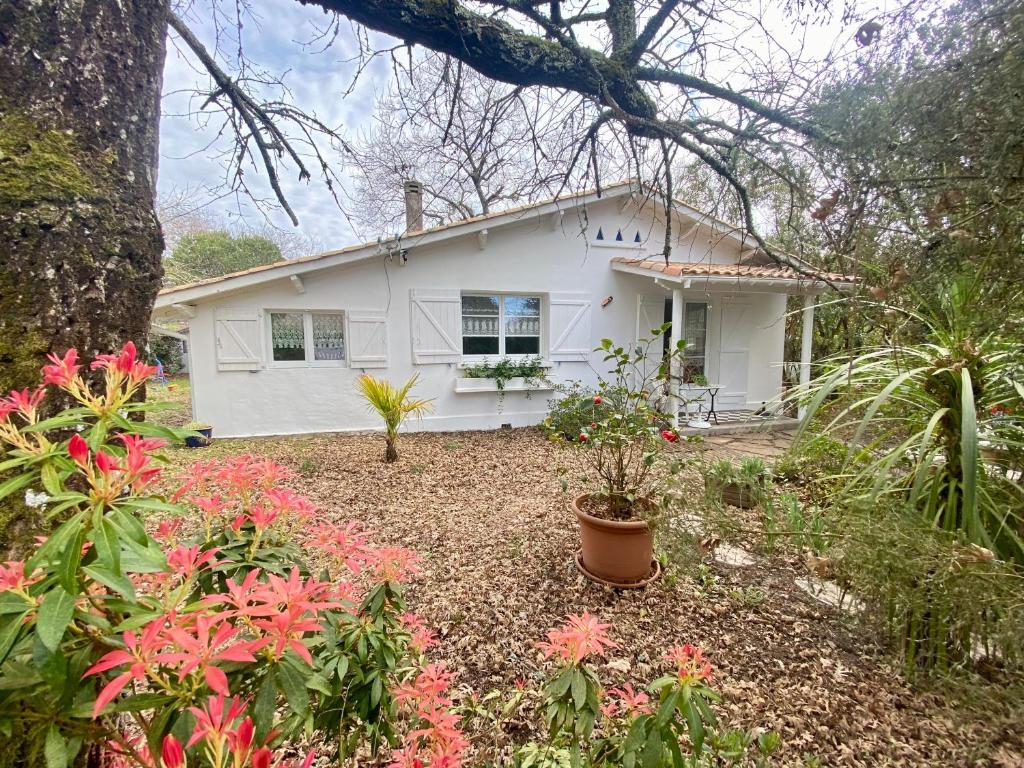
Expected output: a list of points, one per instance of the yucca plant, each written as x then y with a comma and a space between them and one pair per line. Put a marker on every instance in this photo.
934, 432
394, 404
935, 424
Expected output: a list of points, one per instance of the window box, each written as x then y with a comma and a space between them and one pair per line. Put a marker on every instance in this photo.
519, 384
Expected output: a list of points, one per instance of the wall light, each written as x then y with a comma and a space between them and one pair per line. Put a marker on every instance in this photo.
606, 301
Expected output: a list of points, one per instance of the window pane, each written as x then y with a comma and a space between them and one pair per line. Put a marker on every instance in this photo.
522, 318
522, 305
695, 328
480, 305
287, 336
479, 345
328, 337
522, 345
480, 325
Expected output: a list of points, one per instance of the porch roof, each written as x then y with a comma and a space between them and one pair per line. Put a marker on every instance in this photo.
773, 278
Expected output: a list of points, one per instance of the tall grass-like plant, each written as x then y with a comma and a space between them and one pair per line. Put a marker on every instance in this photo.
940, 419
394, 405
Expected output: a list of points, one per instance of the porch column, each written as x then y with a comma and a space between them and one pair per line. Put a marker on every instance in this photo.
676, 372
806, 341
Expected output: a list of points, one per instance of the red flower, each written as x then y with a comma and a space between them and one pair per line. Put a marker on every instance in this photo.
583, 437
24, 402
172, 755
62, 370
598, 400
670, 435
13, 578
125, 364
691, 666
593, 425
578, 638
78, 450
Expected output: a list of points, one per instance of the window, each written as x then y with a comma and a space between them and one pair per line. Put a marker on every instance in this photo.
695, 331
500, 325
307, 337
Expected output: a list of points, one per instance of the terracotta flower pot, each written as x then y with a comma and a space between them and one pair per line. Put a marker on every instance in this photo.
616, 552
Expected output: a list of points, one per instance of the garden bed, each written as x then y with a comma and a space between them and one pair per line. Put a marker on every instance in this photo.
486, 512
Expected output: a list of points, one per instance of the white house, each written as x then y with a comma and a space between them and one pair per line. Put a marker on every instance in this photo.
277, 349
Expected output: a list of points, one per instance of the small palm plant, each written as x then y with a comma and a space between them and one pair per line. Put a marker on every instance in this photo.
394, 406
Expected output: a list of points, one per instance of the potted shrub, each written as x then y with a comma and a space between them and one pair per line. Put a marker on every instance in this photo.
620, 447
202, 434
743, 486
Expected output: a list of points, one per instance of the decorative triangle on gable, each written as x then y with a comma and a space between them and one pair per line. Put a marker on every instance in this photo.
637, 238
618, 236
600, 234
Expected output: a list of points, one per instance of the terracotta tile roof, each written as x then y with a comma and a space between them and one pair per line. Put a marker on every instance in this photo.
745, 271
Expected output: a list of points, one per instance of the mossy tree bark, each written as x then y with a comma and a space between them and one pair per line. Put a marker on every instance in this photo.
80, 244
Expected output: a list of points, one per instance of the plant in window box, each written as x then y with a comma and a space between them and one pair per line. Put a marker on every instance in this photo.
621, 452
530, 369
394, 404
743, 486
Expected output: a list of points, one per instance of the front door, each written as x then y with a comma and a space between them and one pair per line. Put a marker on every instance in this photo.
734, 354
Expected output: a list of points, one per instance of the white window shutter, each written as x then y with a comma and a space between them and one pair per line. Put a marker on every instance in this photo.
650, 315
436, 316
366, 337
570, 326
239, 339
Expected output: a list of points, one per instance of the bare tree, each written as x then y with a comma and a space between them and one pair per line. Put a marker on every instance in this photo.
476, 144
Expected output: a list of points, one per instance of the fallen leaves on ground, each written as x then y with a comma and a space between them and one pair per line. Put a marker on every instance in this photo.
486, 512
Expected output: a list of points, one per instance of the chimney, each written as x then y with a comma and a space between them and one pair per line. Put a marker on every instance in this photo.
413, 205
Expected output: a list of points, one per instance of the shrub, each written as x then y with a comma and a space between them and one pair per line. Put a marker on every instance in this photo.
674, 726
621, 449
217, 645
394, 405
573, 411
939, 602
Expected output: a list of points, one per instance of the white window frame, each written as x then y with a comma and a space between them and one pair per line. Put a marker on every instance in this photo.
500, 354
307, 339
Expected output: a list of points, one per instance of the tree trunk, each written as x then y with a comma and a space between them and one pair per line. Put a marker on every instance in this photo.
80, 244
390, 450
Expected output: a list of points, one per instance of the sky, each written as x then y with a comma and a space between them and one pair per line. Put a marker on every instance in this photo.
280, 37
278, 40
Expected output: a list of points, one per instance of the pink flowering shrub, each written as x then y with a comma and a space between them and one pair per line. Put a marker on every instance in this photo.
673, 726
210, 641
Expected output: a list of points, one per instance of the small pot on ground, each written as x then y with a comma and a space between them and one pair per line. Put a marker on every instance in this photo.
204, 438
737, 495
617, 552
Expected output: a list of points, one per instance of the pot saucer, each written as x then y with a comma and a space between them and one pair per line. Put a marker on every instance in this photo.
655, 573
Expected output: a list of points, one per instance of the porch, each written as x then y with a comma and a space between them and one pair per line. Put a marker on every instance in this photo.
736, 371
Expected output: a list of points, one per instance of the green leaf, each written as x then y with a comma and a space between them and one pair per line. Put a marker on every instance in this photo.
9, 630
108, 546
653, 748
15, 484
264, 705
55, 614
67, 569
579, 689
55, 749
293, 687
115, 581
51, 479
969, 458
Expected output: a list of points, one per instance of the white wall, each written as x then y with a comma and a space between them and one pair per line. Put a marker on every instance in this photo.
526, 257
